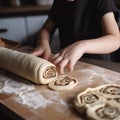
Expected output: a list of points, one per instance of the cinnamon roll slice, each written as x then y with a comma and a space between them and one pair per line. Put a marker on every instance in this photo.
63, 82
109, 111
109, 91
86, 99
117, 99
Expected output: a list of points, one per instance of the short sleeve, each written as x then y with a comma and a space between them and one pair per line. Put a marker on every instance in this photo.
105, 6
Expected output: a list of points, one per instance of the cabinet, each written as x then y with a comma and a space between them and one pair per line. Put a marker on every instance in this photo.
23, 23
21, 28
33, 25
13, 28
25, 29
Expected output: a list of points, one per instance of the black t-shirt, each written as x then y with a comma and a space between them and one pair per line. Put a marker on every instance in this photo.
80, 19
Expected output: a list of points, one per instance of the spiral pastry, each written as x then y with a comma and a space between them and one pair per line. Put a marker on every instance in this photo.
86, 99
109, 91
117, 99
63, 82
109, 111
50, 72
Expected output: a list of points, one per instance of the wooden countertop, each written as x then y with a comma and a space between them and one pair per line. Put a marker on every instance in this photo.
23, 10
114, 66
84, 73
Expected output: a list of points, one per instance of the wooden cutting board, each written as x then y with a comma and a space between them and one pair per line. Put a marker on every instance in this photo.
38, 102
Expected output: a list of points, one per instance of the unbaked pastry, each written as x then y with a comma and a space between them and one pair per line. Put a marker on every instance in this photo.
86, 99
109, 91
109, 111
28, 66
63, 82
117, 99
100, 103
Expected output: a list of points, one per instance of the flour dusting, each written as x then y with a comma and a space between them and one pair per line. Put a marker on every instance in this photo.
110, 79
34, 100
40, 99
13, 87
9, 86
89, 74
25, 94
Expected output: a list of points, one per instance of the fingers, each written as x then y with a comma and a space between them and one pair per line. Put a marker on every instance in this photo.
62, 62
58, 60
62, 65
36, 53
55, 56
45, 54
71, 65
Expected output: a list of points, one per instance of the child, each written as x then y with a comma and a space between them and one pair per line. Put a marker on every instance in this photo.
85, 27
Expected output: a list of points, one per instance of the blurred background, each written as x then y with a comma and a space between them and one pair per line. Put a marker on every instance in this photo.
21, 20
25, 2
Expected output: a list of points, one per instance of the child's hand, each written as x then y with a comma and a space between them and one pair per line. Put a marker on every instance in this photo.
43, 51
68, 56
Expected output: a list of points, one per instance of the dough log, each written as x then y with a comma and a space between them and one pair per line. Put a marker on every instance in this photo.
27, 66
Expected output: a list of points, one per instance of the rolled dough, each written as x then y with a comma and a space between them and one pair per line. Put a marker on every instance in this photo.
33, 68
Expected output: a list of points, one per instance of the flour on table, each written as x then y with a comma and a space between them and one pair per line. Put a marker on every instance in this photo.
33, 100
9, 86
13, 87
43, 101
109, 79
1, 84
26, 94
2, 81
89, 74
40, 99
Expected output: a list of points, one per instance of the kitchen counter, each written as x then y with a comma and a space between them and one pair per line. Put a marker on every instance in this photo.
24, 10
50, 102
114, 66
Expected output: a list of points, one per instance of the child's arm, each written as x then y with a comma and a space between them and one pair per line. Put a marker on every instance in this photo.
43, 47
109, 42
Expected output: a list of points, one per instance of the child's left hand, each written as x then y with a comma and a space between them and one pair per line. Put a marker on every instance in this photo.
68, 56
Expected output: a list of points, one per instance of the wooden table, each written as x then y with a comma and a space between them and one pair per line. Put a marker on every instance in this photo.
88, 75
105, 64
